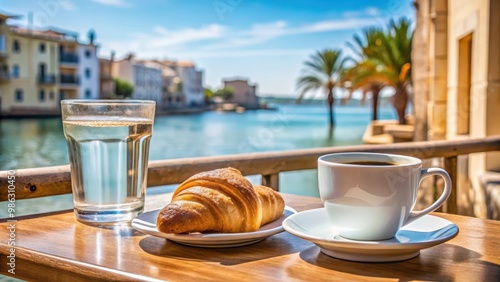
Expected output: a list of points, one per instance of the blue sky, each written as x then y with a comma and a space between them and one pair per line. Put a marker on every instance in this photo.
264, 41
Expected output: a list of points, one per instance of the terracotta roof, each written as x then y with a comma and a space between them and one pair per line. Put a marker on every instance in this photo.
47, 34
6, 16
185, 64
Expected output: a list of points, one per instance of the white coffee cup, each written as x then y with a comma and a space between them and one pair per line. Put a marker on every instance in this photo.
366, 200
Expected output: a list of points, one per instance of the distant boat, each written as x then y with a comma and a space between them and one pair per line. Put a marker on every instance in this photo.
229, 107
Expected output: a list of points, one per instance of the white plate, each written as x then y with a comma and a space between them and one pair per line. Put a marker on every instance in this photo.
146, 223
425, 232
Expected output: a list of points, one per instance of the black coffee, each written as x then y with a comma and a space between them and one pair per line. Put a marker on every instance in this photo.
371, 163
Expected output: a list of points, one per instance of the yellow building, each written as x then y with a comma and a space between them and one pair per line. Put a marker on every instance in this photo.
29, 67
40, 68
456, 80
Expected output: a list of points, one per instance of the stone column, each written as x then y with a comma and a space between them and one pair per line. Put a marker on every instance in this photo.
493, 88
420, 68
438, 78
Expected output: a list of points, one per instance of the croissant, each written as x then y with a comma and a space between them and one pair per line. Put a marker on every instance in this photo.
221, 201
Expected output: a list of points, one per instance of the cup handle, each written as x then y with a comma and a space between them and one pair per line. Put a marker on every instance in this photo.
444, 196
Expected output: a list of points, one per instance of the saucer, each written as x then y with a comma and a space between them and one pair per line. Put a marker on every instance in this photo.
146, 223
425, 232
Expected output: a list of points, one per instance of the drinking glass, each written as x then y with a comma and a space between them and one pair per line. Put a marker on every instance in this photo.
108, 144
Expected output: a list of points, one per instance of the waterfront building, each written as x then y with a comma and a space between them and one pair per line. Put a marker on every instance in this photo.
38, 68
106, 83
192, 83
456, 81
182, 83
88, 69
147, 80
244, 94
172, 86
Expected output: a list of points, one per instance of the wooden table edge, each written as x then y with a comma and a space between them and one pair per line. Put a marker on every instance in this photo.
74, 268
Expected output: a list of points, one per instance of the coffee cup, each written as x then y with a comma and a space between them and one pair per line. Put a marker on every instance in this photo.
370, 196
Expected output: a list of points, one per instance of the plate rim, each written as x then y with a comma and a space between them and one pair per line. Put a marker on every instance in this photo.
367, 245
210, 238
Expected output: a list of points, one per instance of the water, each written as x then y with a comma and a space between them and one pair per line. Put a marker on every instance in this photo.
108, 167
27, 143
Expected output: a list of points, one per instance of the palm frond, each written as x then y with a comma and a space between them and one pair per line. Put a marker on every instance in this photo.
321, 70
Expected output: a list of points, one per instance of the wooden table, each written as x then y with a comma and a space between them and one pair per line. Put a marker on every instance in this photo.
55, 247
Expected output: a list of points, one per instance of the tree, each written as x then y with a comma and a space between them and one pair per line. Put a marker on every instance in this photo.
322, 72
226, 93
366, 74
208, 94
394, 57
123, 88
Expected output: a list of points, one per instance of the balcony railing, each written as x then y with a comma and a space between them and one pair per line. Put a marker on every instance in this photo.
69, 79
5, 76
49, 181
69, 58
47, 79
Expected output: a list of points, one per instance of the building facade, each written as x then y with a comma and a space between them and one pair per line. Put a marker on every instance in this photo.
106, 83
88, 71
192, 84
456, 79
182, 83
147, 80
39, 68
244, 94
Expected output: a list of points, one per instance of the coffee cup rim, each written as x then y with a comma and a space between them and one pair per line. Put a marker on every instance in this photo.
362, 156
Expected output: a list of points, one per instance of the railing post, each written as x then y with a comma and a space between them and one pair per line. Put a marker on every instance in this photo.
450, 165
271, 180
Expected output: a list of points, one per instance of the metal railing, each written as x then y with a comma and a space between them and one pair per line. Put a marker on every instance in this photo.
69, 79
47, 79
49, 181
5, 76
68, 58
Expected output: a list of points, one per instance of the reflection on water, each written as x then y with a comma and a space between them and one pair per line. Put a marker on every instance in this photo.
27, 143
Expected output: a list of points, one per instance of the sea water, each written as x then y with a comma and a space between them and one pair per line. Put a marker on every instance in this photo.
39, 142
108, 159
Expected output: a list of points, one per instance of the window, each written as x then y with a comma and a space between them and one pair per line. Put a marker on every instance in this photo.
41, 95
16, 46
51, 95
87, 73
88, 53
2, 43
15, 71
463, 111
42, 47
88, 94
19, 95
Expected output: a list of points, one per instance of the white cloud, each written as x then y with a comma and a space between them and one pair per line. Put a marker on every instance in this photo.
263, 32
112, 2
372, 11
333, 25
163, 37
161, 41
245, 53
67, 5
369, 11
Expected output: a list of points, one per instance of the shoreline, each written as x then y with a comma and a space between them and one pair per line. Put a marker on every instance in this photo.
37, 113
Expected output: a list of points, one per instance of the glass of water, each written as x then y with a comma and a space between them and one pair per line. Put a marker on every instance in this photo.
108, 144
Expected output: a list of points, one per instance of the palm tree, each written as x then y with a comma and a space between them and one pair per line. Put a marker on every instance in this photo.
365, 74
322, 71
395, 56
384, 59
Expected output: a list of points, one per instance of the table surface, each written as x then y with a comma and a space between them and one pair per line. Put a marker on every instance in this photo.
56, 247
